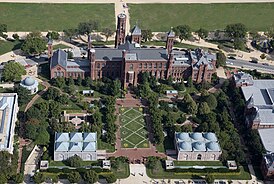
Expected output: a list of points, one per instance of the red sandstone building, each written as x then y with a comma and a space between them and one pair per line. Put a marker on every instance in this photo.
127, 60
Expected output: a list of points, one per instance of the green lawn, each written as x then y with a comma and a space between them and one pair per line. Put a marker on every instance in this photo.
133, 128
122, 172
57, 17
242, 175
199, 163
160, 17
60, 46
7, 46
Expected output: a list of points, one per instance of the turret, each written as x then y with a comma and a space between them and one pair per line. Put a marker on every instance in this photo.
121, 30
136, 35
50, 48
170, 41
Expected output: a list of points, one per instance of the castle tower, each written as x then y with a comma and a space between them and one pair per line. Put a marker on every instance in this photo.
50, 48
121, 30
136, 35
89, 45
170, 41
91, 53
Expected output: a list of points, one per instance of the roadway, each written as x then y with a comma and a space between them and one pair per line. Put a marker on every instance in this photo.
238, 63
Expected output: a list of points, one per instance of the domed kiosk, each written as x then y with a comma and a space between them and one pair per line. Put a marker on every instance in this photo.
30, 84
197, 146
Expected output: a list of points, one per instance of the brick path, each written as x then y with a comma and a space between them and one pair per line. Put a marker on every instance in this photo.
135, 155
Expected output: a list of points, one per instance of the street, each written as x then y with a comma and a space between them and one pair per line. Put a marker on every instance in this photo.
237, 63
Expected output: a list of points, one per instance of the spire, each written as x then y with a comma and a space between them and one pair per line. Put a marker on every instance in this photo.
171, 33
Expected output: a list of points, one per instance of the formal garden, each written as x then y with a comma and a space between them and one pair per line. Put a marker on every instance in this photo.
133, 128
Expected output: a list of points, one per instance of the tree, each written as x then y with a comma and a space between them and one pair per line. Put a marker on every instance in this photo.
183, 32
88, 27
235, 31
31, 128
107, 32
43, 138
63, 99
87, 81
221, 59
70, 81
202, 33
79, 81
53, 35
23, 95
255, 35
15, 36
203, 108
69, 33
52, 93
54, 109
3, 178
60, 82
34, 44
116, 86
211, 101
209, 178
18, 178
74, 177
179, 86
13, 71
74, 161
238, 44
91, 176
147, 34
39, 177
7, 168
110, 178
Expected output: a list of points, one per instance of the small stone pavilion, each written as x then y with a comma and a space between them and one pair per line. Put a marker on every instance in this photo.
197, 146
30, 84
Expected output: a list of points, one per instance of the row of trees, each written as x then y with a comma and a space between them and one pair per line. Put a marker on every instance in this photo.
109, 119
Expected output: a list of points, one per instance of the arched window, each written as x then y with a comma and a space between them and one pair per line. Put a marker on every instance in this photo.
131, 66
199, 157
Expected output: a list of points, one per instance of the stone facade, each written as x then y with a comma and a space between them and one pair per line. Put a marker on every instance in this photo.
127, 61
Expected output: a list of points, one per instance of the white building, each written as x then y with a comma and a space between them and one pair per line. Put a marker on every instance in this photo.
30, 84
75, 143
197, 146
8, 114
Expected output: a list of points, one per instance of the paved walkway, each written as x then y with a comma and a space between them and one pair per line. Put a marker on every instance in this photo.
38, 95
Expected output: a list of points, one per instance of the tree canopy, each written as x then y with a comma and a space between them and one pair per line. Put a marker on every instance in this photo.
91, 176
235, 31
13, 71
34, 44
74, 161
202, 33
183, 32
107, 32
74, 177
147, 35
88, 27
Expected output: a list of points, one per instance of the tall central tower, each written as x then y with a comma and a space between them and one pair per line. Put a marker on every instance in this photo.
121, 30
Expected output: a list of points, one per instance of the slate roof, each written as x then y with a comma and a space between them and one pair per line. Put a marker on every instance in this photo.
202, 58
262, 92
136, 30
59, 57
267, 138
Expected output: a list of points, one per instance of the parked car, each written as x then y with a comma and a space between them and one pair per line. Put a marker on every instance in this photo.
231, 57
253, 61
266, 64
